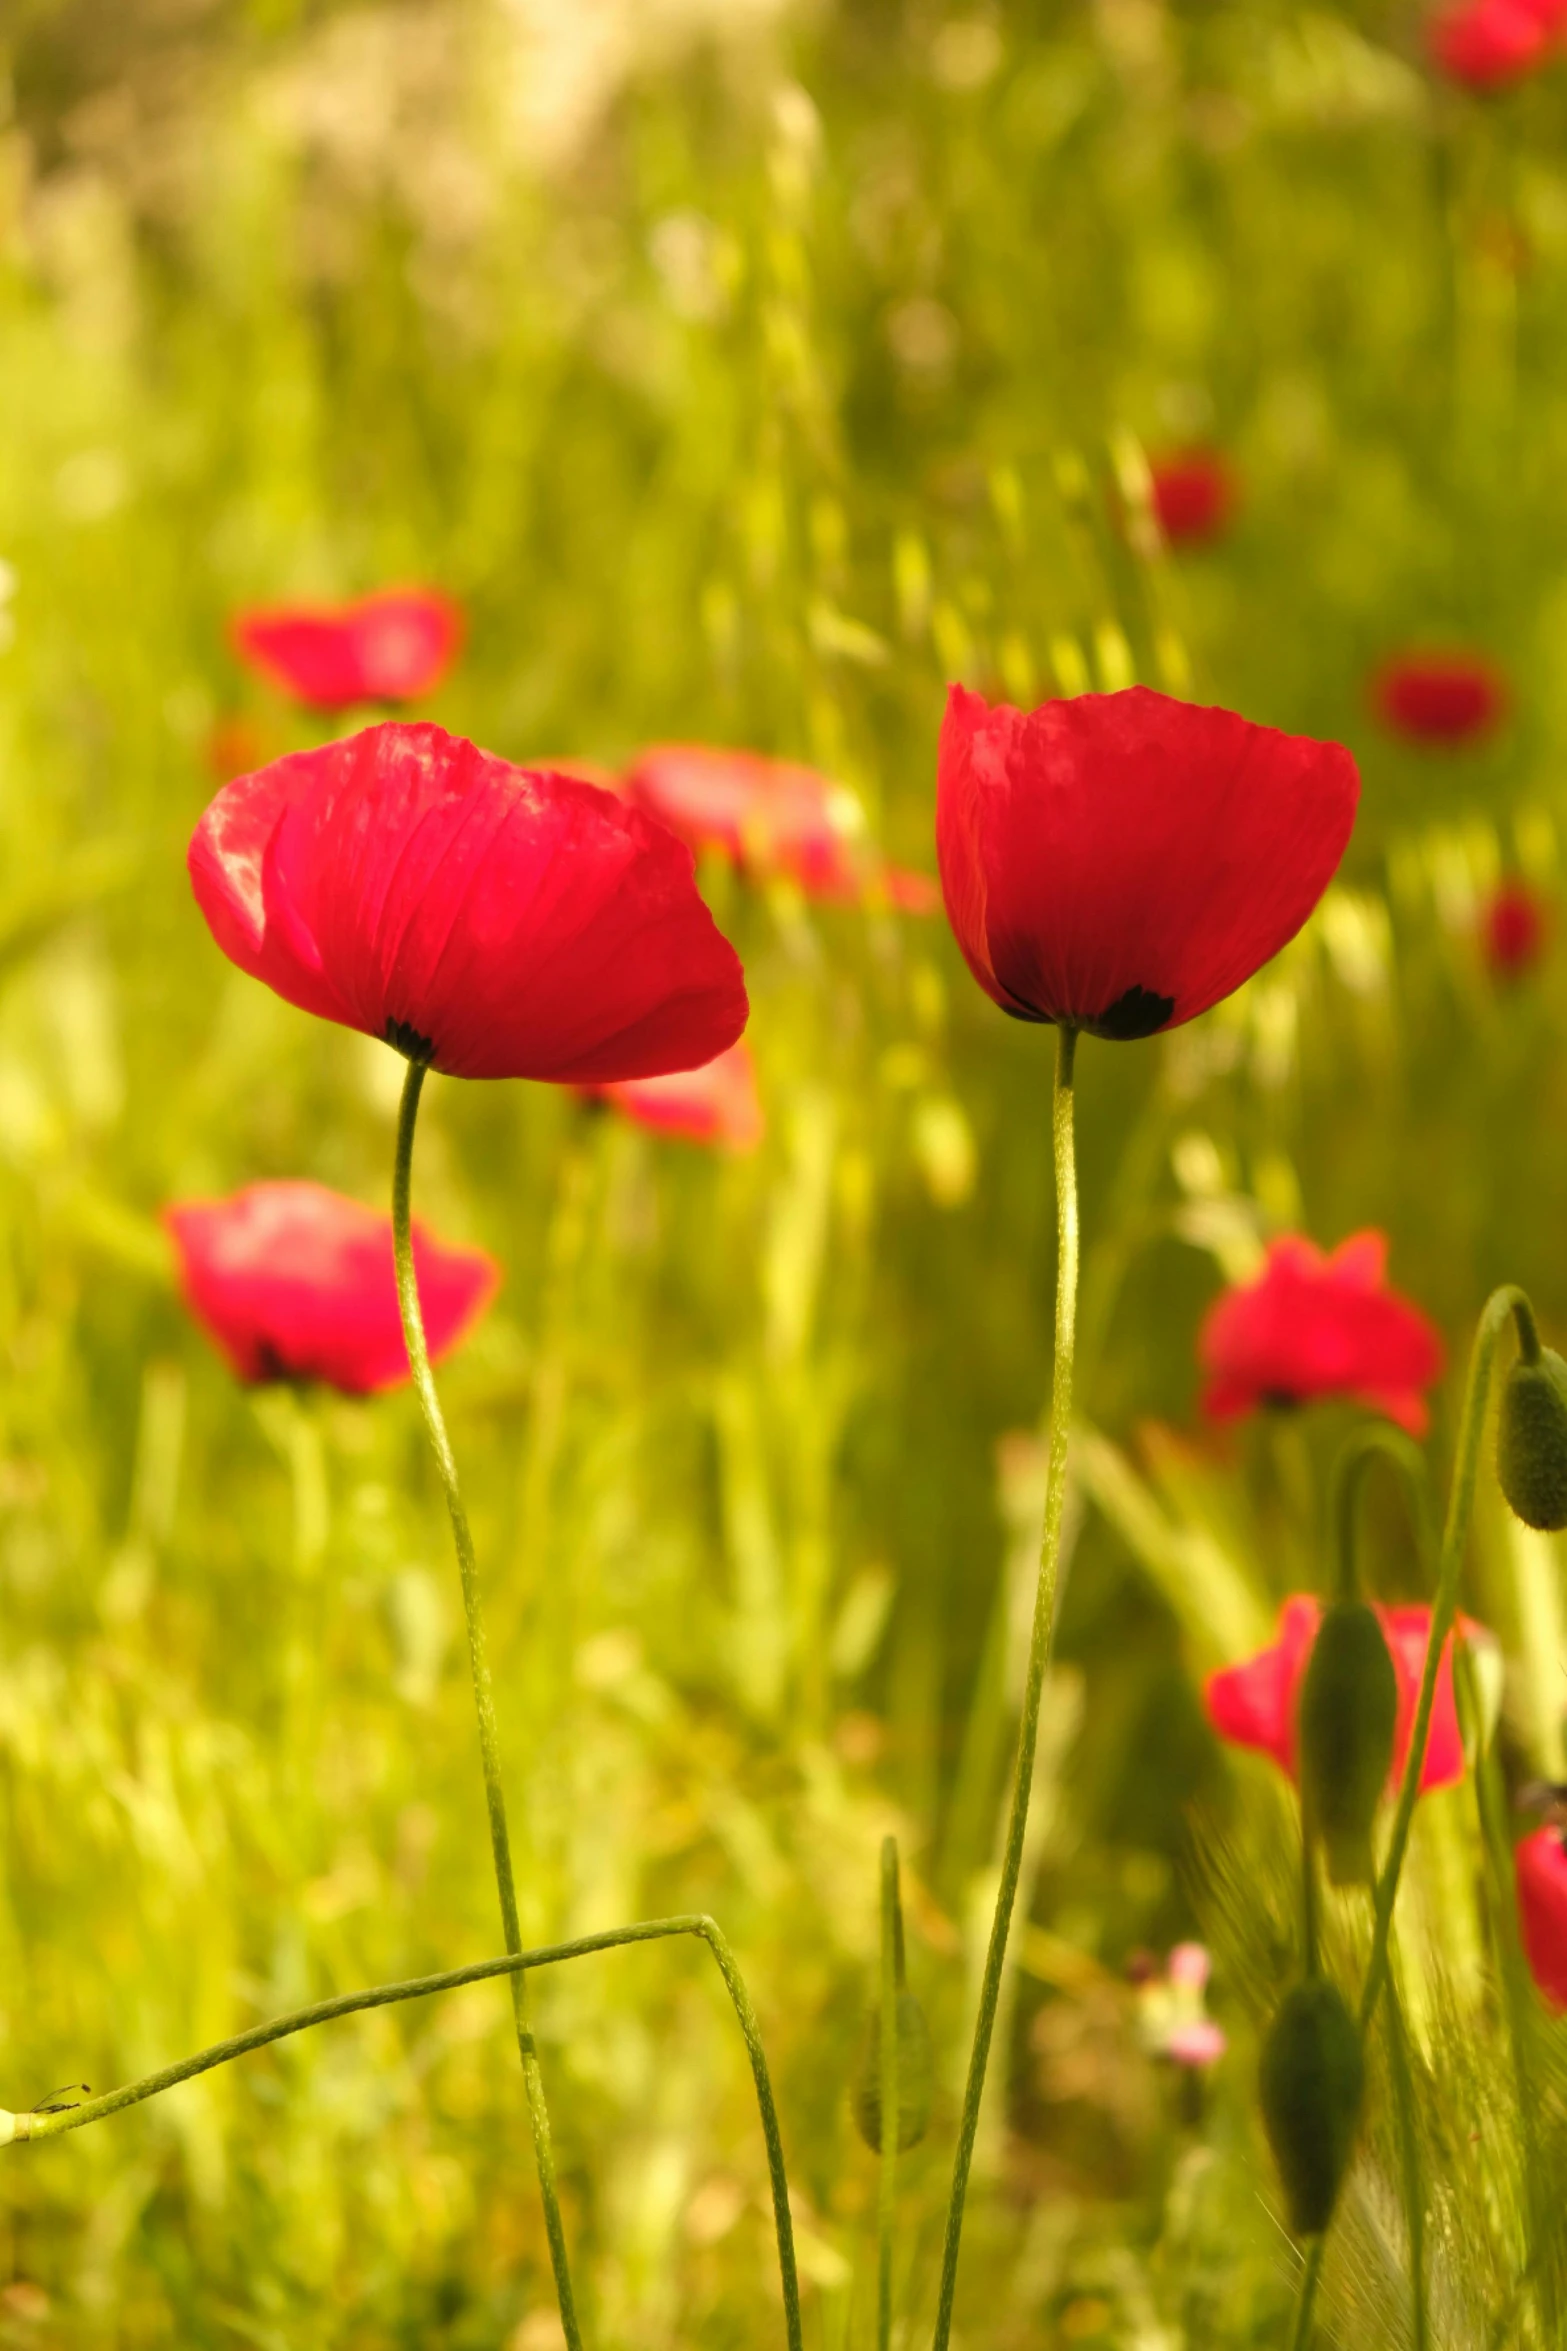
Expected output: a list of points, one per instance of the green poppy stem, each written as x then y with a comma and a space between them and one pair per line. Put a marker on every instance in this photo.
1038, 1662
483, 1692
891, 2117
50, 2122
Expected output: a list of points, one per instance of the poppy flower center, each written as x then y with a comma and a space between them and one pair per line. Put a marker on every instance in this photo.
1137, 1013
272, 1367
406, 1039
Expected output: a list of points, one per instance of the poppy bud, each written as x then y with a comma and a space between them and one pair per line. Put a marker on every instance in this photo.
1531, 1441
916, 2073
1348, 1715
1311, 2082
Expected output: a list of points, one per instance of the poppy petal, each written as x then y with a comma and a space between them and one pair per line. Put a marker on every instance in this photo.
1123, 861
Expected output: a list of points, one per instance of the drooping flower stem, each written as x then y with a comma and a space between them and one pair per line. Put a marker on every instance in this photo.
1503, 1302
891, 2113
1038, 1661
48, 2122
1444, 1608
483, 1693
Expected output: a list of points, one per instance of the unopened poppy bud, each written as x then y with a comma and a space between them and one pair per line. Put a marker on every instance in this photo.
1531, 1441
1311, 2083
1348, 1715
916, 2073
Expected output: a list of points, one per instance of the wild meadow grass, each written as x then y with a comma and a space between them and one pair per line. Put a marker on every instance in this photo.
748, 375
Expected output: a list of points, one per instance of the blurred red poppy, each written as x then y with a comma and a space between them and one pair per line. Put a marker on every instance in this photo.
1489, 43
1445, 698
390, 647
1311, 1326
491, 921
771, 816
1121, 861
1255, 1704
716, 1104
1513, 925
1540, 1863
1193, 494
296, 1283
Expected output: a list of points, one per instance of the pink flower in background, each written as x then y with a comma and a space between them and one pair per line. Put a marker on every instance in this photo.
297, 1283
1194, 494
1314, 1325
1254, 1704
390, 647
717, 1103
771, 816
1442, 699
1540, 1863
1172, 2010
1513, 927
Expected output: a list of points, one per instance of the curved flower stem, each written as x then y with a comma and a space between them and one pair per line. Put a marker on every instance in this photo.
1409, 2162
48, 2122
1455, 1541
1364, 1446
483, 1693
1444, 1608
1038, 1661
891, 2118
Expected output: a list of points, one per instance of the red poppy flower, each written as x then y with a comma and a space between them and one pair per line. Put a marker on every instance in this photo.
1540, 1863
1445, 698
492, 921
1311, 1326
1193, 494
1512, 929
1489, 43
390, 647
1255, 1704
296, 1283
1121, 861
771, 816
716, 1104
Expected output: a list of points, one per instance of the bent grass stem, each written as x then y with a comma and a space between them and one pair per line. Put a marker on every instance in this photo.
483, 1691
1038, 1662
50, 2122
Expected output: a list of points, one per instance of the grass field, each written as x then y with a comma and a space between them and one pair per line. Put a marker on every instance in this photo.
748, 373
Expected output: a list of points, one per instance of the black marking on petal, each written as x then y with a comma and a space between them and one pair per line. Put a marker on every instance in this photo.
404, 1038
1278, 1399
1137, 1013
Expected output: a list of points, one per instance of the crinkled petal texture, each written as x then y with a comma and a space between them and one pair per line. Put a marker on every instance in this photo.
295, 1282
1123, 861
390, 647
718, 1104
1312, 1326
1255, 1704
1541, 1866
492, 920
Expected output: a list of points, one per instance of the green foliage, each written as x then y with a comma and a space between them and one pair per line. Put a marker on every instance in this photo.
1348, 1714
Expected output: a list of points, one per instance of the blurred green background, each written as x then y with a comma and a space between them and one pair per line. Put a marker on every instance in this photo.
748, 371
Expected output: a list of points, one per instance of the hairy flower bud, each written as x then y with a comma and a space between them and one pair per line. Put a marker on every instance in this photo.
1348, 1715
1531, 1441
1311, 2083
916, 2072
